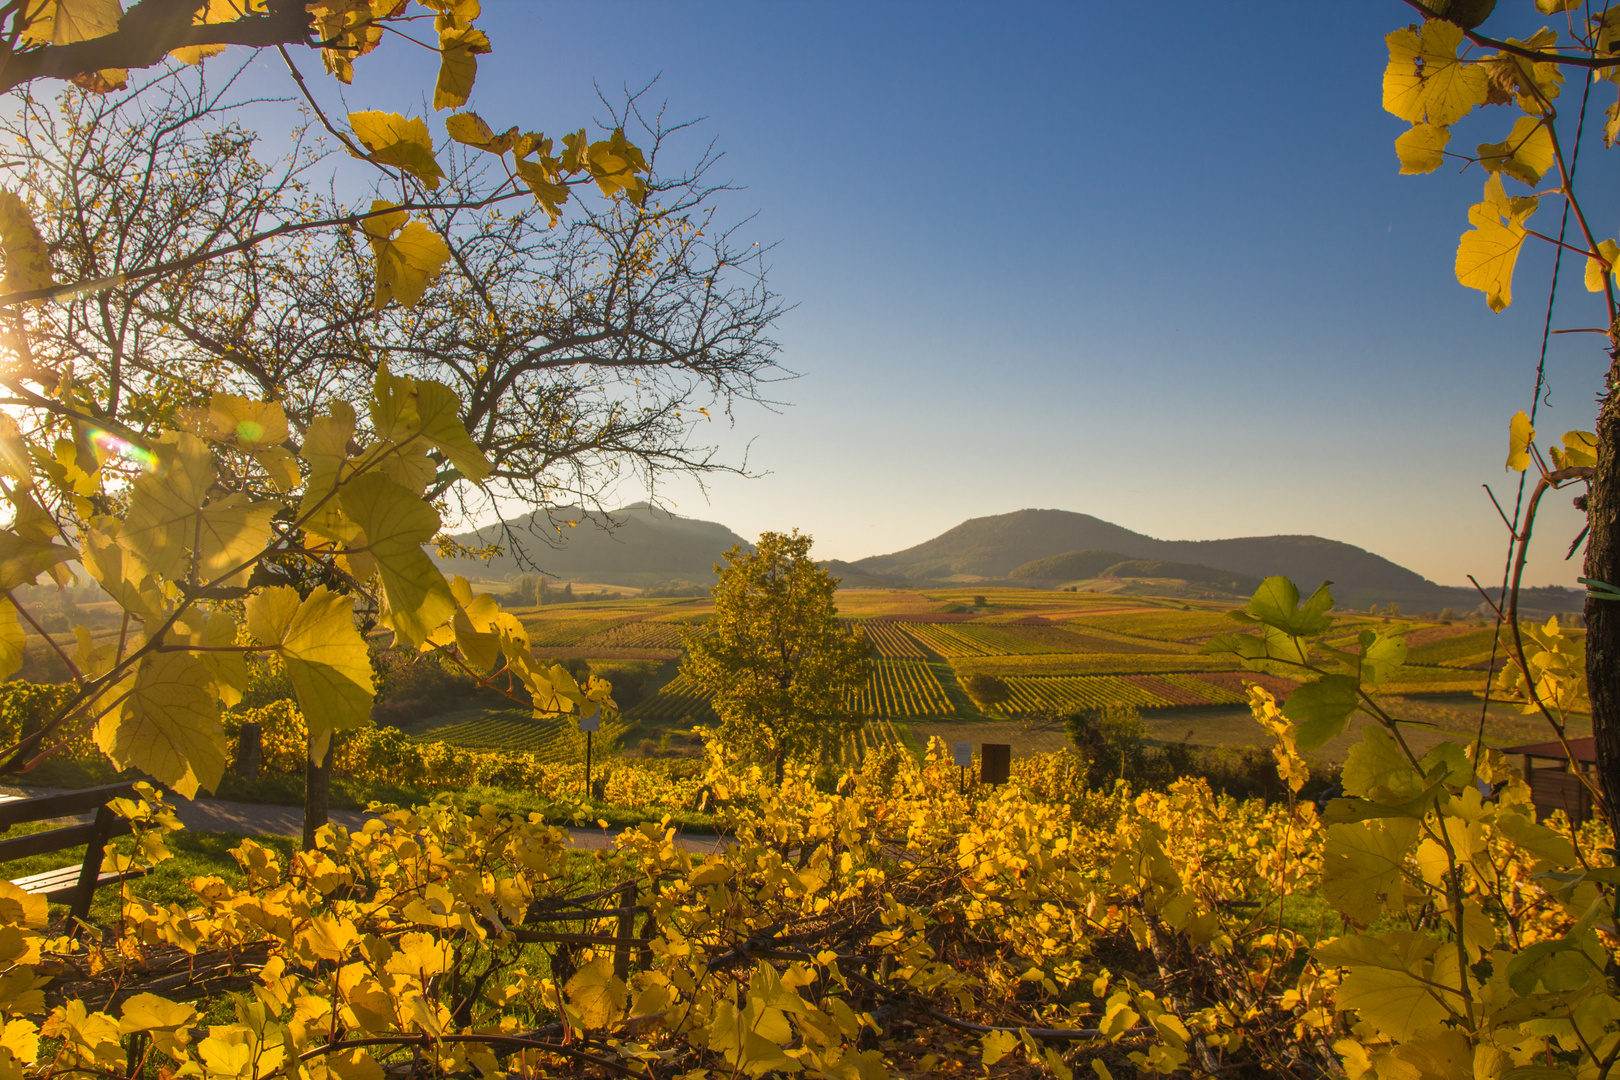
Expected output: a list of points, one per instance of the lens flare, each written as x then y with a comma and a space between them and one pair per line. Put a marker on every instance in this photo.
112, 446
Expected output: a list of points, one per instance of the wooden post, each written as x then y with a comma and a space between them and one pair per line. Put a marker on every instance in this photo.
995, 763
91, 871
317, 794
249, 750
588, 735
626, 931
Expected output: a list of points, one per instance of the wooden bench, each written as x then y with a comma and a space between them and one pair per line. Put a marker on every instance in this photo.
73, 885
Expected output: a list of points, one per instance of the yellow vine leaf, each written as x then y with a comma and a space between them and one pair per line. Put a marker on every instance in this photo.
216, 13
244, 422
1525, 81
1362, 864
82, 20
597, 993
1426, 81
459, 49
1580, 451
542, 180
409, 256
1419, 148
28, 261
167, 518
1486, 254
392, 139
1520, 436
1596, 271
1526, 154
396, 524
169, 725
12, 640
469, 129
327, 659
325, 449
403, 407
23, 559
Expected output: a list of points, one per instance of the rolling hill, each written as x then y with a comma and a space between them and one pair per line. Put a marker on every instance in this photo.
637, 546
1002, 547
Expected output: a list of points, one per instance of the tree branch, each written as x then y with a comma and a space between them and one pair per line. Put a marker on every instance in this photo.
148, 32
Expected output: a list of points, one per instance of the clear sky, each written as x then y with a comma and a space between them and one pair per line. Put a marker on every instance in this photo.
1151, 263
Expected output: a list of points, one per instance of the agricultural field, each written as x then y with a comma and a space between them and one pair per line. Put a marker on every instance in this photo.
901, 688
508, 729
1056, 651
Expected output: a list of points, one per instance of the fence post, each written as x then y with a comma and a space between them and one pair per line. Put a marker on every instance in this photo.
249, 751
626, 931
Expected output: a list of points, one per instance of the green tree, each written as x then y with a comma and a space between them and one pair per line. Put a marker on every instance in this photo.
784, 672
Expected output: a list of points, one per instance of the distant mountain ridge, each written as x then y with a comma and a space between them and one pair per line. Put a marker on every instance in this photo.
645, 546
648, 546
996, 547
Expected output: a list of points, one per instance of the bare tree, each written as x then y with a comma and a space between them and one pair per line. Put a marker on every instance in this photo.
584, 350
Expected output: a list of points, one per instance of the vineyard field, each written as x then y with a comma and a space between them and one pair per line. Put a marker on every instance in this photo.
1089, 664
635, 635
1079, 692
903, 688
890, 640
679, 703
556, 739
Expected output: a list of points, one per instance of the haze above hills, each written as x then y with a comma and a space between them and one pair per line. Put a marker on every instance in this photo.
1042, 548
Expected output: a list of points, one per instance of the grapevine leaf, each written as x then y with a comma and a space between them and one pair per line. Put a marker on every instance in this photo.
22, 559
214, 13
1321, 709
1551, 848
1276, 604
1381, 656
1597, 270
1362, 865
392, 139
169, 725
547, 192
12, 640
408, 255
28, 260
1395, 1002
459, 49
229, 532
1525, 154
244, 422
440, 411
327, 659
1419, 148
325, 449
1520, 436
469, 129
164, 502
280, 466
1426, 80
1376, 768
1580, 450
148, 1012
403, 407
1486, 254
82, 20
396, 524
597, 994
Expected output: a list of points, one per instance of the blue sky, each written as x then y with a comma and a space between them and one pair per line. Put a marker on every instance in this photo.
1154, 264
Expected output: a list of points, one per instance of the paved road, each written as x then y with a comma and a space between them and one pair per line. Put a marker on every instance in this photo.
259, 819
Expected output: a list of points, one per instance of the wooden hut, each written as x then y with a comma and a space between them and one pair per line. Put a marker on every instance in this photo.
1554, 784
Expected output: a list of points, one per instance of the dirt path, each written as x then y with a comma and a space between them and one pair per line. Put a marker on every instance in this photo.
260, 819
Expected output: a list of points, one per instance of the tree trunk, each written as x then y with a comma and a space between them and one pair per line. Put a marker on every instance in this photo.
317, 791
1603, 616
